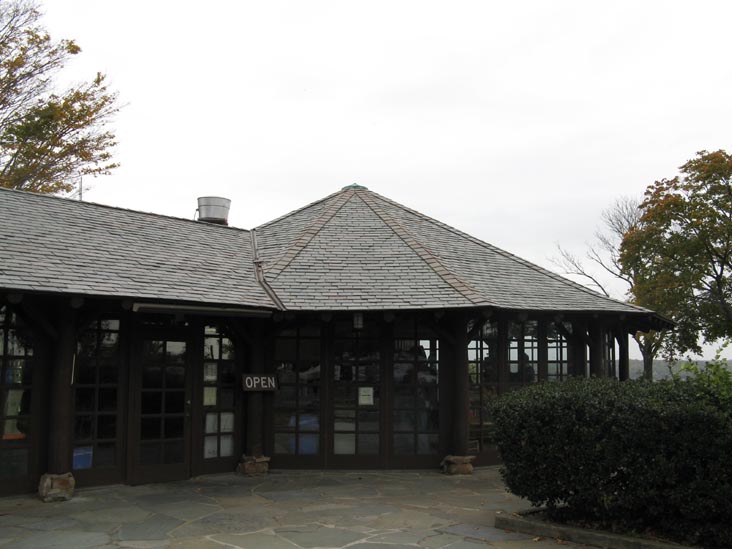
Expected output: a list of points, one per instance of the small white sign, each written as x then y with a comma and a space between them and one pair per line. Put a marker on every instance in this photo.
365, 396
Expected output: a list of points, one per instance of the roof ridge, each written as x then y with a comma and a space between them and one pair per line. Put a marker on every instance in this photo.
84, 204
308, 233
506, 254
432, 261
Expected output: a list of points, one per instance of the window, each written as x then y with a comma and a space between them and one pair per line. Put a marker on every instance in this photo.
416, 367
96, 394
219, 381
483, 376
557, 352
16, 383
523, 352
297, 401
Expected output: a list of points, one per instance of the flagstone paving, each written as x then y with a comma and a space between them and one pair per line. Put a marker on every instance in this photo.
283, 510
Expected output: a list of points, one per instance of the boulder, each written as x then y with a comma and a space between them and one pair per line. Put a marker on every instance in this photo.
56, 487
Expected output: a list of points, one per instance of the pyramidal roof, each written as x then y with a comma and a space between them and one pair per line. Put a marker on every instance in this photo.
358, 250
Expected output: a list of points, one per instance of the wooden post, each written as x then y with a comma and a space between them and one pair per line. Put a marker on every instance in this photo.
543, 373
579, 349
255, 400
61, 410
504, 373
596, 351
462, 386
624, 358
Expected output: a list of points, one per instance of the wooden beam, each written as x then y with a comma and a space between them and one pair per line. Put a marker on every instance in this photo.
61, 402
543, 365
597, 366
461, 385
624, 359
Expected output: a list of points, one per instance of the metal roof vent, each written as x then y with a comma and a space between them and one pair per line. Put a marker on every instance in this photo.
214, 209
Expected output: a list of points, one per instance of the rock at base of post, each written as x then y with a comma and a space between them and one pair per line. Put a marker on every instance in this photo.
56, 487
457, 465
253, 465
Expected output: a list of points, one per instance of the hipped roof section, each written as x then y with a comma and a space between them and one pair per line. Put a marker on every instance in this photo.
353, 250
56, 245
356, 249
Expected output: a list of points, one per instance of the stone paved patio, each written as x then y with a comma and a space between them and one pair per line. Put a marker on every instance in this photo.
284, 510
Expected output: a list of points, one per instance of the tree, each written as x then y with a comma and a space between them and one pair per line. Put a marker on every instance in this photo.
47, 136
681, 250
617, 221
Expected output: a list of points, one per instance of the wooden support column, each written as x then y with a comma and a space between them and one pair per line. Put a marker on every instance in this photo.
596, 351
543, 373
504, 372
624, 358
61, 409
255, 400
462, 386
579, 349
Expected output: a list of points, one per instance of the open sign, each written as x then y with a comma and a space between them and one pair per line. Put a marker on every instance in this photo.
259, 382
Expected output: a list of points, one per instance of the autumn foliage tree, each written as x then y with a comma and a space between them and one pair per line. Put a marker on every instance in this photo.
680, 251
47, 136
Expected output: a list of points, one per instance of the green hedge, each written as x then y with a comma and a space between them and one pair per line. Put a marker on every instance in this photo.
653, 457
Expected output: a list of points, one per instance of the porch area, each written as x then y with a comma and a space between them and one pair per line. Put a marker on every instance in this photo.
288, 510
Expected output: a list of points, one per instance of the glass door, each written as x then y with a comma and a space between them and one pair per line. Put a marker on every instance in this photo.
356, 389
161, 414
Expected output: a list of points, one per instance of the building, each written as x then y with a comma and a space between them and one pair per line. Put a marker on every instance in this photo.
125, 337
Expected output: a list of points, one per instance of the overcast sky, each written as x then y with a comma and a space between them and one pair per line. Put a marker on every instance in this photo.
517, 122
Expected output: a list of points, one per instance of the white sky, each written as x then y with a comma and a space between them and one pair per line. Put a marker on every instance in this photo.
517, 122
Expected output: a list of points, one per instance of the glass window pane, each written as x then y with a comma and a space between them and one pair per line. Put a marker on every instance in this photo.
368, 420
210, 447
175, 352
173, 452
404, 420
227, 398
284, 443
82, 457
210, 372
227, 349
211, 348
149, 428
227, 373
174, 402
309, 444
13, 462
108, 400
209, 396
344, 420
309, 349
105, 455
227, 422
344, 444
227, 446
84, 400
428, 444
368, 444
212, 423
151, 454
404, 444
309, 422
174, 427
83, 427
106, 426
18, 370
152, 402
175, 377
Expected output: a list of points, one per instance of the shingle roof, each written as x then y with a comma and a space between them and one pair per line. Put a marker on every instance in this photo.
51, 244
352, 250
358, 250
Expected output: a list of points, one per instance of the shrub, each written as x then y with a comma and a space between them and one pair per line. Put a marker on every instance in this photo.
632, 455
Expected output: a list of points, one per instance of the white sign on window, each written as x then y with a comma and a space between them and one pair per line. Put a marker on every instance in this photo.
365, 396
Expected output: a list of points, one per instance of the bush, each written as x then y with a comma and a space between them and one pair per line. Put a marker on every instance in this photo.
634, 455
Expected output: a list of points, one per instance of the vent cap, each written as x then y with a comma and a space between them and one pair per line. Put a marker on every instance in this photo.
214, 209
